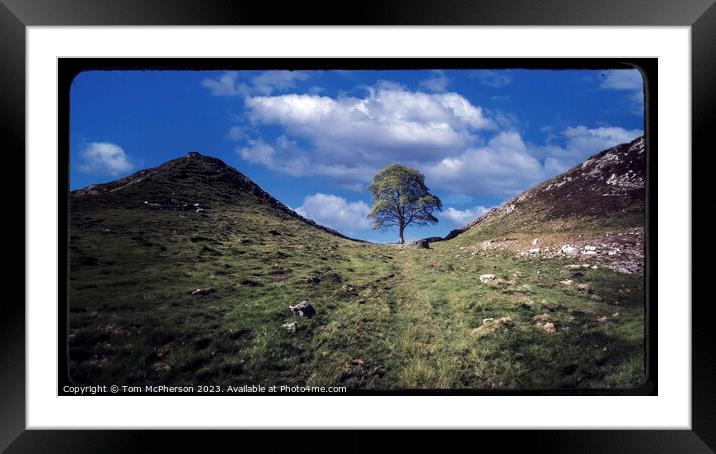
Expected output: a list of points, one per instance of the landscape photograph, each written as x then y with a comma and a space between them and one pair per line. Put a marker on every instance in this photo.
382, 230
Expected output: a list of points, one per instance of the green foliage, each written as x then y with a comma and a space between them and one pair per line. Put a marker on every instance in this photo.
401, 198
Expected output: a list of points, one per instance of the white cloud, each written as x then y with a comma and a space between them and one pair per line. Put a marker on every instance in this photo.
631, 81
268, 81
104, 158
494, 79
335, 212
437, 83
264, 83
283, 156
503, 166
464, 217
389, 123
580, 143
623, 79
224, 85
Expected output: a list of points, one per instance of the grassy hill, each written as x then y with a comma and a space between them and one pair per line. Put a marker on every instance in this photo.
386, 317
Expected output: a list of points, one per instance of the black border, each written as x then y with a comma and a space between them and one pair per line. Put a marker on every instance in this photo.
18, 14
69, 68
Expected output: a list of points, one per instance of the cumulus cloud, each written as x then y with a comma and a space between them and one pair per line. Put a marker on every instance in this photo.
388, 123
335, 212
104, 158
438, 83
264, 83
503, 166
464, 217
283, 156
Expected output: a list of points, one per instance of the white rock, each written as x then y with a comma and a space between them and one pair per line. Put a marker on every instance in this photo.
566, 282
534, 250
536, 241
487, 277
590, 248
568, 249
589, 252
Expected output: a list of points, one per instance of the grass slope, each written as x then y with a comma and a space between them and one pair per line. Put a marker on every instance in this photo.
387, 317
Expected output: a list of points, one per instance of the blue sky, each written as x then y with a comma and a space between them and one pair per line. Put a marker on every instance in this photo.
314, 139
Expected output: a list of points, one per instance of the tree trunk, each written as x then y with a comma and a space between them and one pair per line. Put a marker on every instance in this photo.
402, 240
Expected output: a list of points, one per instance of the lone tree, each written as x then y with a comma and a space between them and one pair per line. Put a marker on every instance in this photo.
400, 198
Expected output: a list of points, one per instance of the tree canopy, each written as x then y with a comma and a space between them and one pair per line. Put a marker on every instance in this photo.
400, 198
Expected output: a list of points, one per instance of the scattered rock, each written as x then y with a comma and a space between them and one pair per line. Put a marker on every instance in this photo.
566, 282
290, 327
303, 309
160, 366
491, 325
534, 251
203, 291
549, 327
573, 267
589, 252
503, 321
487, 277
536, 242
568, 249
590, 248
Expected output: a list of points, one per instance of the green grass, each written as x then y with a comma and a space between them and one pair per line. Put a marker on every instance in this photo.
133, 319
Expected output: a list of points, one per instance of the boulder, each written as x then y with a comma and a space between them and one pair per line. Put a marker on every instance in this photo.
568, 249
536, 242
487, 277
419, 244
534, 251
303, 309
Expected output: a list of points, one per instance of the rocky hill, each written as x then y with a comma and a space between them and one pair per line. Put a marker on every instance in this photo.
194, 183
598, 205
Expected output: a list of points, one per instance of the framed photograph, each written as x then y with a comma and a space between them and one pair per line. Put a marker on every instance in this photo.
483, 222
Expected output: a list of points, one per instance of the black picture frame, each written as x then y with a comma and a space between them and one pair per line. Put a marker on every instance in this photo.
16, 15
